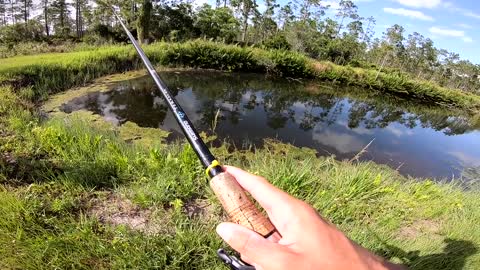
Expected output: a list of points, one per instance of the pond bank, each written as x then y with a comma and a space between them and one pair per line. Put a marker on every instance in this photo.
54, 172
415, 139
71, 69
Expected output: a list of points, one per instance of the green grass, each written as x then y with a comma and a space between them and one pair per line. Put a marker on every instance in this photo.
71, 164
56, 175
51, 73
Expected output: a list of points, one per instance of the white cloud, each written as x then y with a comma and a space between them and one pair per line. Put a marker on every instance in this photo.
399, 131
465, 12
471, 14
343, 143
465, 158
448, 5
415, 14
332, 4
420, 3
445, 32
464, 25
335, 4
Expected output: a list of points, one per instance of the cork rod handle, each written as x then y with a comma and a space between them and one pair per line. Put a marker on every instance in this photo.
239, 207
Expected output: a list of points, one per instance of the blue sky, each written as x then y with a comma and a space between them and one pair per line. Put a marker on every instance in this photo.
452, 25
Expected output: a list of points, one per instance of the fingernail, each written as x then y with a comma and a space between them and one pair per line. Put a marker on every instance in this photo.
224, 231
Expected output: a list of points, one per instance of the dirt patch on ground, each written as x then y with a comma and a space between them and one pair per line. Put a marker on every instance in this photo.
420, 227
115, 210
199, 208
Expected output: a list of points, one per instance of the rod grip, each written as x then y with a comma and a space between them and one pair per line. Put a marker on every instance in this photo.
240, 209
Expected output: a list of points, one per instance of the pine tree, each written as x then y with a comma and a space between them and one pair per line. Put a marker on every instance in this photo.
14, 10
348, 9
3, 12
246, 8
26, 6
143, 23
60, 17
79, 22
45, 7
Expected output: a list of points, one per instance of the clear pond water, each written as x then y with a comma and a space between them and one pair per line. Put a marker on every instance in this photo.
417, 140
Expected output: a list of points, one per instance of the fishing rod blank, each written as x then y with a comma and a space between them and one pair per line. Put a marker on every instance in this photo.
232, 196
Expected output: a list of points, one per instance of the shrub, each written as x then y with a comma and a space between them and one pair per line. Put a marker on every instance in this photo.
277, 42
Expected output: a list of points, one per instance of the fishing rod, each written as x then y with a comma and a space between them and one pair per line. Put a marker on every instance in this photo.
240, 209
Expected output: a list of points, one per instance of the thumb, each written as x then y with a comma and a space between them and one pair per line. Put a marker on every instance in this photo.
250, 244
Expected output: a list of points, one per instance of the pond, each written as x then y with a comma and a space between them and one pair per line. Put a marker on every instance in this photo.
415, 139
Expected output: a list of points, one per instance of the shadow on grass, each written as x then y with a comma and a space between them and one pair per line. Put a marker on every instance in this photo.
453, 257
25, 170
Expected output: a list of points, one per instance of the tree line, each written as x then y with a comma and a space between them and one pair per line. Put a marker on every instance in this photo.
311, 27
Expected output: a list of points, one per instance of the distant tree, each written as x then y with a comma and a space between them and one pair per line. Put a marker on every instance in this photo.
3, 12
61, 17
347, 9
220, 3
143, 23
27, 5
174, 22
278, 42
246, 8
286, 15
394, 35
217, 23
46, 16
267, 25
369, 32
355, 28
310, 9
21, 32
15, 12
329, 28
80, 5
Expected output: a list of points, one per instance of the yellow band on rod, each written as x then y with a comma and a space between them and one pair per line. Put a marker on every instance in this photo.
214, 164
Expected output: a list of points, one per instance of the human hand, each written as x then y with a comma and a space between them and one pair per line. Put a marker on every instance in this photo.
305, 240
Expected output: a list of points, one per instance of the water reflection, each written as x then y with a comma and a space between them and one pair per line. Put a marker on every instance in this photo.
334, 120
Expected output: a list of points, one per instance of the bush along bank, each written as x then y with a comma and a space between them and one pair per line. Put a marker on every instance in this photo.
51, 73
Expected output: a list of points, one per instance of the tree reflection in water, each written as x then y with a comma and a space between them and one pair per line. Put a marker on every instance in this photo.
331, 118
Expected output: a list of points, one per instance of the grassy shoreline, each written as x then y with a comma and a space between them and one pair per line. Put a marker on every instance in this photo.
51, 73
74, 189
